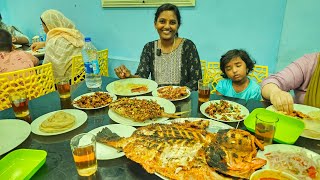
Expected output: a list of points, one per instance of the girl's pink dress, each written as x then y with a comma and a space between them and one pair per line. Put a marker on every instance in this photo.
16, 60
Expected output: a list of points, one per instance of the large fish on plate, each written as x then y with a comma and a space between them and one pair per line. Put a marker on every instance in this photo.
185, 150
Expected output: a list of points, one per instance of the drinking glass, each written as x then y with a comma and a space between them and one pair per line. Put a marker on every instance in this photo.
204, 91
83, 148
63, 87
19, 102
265, 128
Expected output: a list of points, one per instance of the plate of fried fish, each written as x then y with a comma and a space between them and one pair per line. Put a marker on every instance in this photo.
309, 115
132, 86
142, 110
224, 111
172, 93
94, 100
106, 152
186, 150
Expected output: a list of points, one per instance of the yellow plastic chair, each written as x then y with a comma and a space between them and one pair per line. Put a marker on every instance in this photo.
204, 68
77, 70
259, 73
36, 81
214, 74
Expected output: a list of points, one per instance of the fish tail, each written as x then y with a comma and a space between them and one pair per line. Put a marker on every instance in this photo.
106, 136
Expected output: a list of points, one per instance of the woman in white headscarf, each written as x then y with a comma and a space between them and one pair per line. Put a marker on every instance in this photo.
63, 42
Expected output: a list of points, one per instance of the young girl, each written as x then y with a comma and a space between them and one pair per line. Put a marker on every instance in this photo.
236, 65
13, 60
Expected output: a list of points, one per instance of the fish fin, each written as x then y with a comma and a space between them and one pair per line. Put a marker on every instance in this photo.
107, 137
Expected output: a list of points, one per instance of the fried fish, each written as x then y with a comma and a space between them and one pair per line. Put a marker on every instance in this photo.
187, 151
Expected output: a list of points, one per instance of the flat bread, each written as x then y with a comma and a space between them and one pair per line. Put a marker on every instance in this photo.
59, 121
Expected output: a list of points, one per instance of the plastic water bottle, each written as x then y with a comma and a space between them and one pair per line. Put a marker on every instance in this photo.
91, 64
42, 35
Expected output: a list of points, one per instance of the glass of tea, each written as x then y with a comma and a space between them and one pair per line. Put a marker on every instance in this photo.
63, 87
19, 102
83, 147
204, 91
265, 128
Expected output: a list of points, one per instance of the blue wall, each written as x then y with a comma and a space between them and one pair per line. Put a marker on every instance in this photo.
215, 26
301, 31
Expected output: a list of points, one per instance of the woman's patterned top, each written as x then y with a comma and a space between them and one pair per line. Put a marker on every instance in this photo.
180, 67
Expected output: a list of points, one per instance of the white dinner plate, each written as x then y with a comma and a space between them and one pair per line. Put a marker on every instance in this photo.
39, 52
114, 97
155, 93
285, 148
81, 118
168, 106
243, 111
17, 46
105, 152
214, 126
314, 125
121, 87
12, 133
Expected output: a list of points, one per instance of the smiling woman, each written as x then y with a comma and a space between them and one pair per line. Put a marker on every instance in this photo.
170, 60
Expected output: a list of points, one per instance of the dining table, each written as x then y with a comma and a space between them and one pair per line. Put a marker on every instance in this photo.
59, 161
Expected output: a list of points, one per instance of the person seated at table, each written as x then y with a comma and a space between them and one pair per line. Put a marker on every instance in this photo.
17, 36
302, 76
236, 65
11, 59
171, 60
63, 42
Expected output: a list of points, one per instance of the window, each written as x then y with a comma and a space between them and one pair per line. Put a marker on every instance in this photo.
145, 3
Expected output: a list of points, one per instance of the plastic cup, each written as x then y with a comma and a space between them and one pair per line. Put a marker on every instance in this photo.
19, 102
204, 91
63, 87
265, 128
83, 148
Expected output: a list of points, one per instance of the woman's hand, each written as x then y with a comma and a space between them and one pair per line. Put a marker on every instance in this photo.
37, 45
282, 101
122, 72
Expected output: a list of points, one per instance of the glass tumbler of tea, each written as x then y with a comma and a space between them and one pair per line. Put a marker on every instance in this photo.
204, 91
19, 102
265, 128
83, 147
63, 87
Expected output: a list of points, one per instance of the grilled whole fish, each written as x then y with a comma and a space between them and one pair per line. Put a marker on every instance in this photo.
139, 109
176, 151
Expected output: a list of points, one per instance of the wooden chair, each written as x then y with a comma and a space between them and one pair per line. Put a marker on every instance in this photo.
36, 81
77, 70
214, 73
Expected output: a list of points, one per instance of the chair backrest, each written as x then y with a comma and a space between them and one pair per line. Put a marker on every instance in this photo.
259, 73
36, 81
214, 73
203, 68
77, 70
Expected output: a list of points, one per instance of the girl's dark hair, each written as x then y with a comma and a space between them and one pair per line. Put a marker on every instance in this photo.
5, 40
226, 58
168, 7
